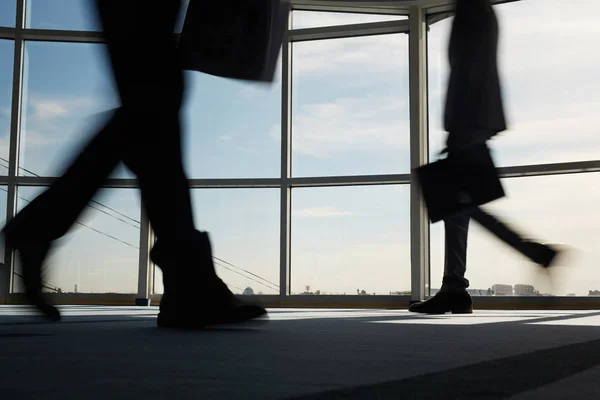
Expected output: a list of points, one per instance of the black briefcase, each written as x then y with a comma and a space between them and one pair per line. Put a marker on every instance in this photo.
463, 180
239, 39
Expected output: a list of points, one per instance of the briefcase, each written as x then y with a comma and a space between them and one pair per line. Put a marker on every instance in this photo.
239, 39
463, 180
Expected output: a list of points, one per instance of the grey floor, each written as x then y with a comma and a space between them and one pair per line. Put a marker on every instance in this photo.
117, 353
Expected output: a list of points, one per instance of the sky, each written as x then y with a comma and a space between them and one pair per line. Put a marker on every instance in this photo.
350, 116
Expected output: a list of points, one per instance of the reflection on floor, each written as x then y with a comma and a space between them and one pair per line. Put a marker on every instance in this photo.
116, 352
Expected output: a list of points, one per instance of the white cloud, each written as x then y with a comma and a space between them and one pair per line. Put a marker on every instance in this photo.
33, 137
320, 212
364, 57
349, 124
48, 109
51, 108
224, 138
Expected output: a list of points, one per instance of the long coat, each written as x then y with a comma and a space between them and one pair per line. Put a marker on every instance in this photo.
474, 99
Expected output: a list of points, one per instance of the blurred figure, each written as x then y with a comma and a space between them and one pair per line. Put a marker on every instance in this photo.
474, 114
145, 134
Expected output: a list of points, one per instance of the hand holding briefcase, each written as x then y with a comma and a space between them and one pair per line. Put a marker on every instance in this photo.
465, 179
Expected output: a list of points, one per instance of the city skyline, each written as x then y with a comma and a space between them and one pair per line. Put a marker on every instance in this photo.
349, 116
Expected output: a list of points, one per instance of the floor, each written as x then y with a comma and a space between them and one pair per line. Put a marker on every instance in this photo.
117, 353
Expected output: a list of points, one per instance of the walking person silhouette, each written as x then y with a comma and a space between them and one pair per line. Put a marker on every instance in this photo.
146, 127
474, 114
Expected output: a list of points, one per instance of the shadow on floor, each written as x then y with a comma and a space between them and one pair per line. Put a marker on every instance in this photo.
496, 379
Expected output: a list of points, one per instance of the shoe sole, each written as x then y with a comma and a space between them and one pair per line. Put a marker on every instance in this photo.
443, 313
467, 311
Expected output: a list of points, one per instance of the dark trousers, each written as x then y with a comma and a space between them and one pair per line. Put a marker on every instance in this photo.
144, 132
457, 231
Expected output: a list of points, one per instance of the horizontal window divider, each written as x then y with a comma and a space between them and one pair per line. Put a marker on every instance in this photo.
335, 6
449, 6
360, 180
577, 167
349, 31
47, 181
63, 36
437, 17
8, 33
235, 183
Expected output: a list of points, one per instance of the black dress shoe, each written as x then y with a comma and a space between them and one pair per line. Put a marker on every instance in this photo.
195, 297
216, 306
445, 302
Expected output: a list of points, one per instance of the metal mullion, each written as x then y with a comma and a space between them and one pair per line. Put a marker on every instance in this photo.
286, 165
6, 278
297, 6
144, 271
223, 183
348, 31
566, 168
360, 180
63, 36
115, 183
7, 33
419, 153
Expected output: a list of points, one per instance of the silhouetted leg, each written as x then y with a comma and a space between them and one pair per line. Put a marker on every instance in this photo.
146, 67
151, 92
453, 296
50, 215
144, 132
147, 70
536, 252
455, 258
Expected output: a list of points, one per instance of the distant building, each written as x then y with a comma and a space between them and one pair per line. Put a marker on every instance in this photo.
502, 290
525, 290
594, 293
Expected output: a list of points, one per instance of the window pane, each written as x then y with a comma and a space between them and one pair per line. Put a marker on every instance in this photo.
350, 106
554, 209
8, 13
232, 128
76, 15
550, 79
101, 252
6, 76
244, 229
349, 239
67, 91
318, 19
